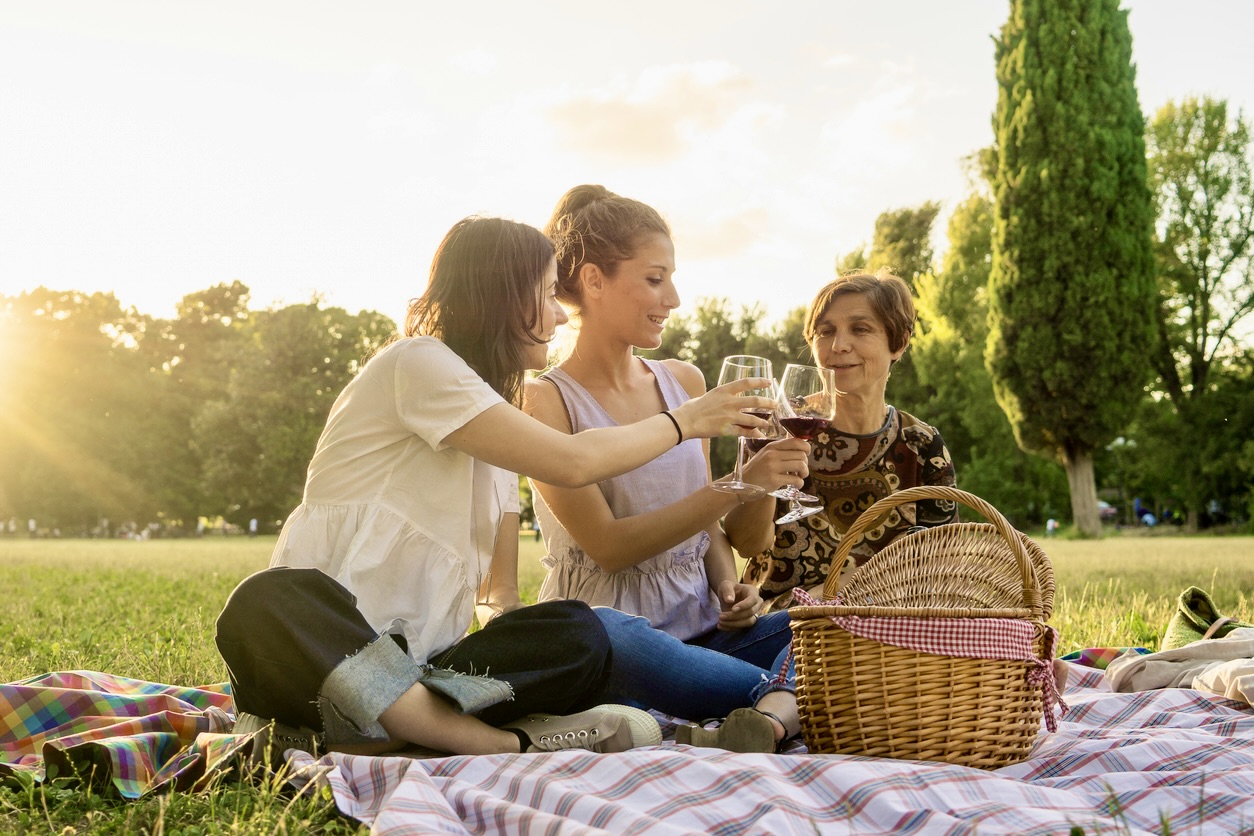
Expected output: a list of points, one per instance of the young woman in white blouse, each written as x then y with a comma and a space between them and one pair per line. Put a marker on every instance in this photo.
356, 638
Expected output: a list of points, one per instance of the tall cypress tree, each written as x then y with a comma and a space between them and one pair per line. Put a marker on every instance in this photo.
1071, 288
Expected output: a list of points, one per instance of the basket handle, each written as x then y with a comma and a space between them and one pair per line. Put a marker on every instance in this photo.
868, 518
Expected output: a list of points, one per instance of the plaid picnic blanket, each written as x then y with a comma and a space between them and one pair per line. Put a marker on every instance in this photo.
1173, 760
1169, 761
136, 735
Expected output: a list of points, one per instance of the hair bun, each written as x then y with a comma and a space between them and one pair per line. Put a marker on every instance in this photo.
580, 197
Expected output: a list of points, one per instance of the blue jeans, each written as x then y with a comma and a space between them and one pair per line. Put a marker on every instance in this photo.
709, 676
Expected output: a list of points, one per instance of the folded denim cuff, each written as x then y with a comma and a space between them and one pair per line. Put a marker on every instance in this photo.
469, 694
774, 683
362, 687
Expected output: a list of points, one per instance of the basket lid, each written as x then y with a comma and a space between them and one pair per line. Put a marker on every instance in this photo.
957, 565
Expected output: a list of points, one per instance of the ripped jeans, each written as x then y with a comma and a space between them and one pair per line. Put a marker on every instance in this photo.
708, 676
298, 651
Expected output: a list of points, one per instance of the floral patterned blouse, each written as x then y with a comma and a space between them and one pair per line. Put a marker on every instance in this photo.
850, 473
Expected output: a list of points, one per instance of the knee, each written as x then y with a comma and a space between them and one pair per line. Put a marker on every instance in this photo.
569, 628
261, 599
616, 621
583, 633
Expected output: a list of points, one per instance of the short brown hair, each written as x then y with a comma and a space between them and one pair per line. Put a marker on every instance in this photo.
889, 296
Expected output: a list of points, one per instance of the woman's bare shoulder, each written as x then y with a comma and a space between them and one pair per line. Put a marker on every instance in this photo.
543, 401
688, 375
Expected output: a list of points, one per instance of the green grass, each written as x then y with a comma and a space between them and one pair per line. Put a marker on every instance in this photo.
146, 610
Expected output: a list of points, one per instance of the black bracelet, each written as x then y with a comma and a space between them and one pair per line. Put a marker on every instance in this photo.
676, 423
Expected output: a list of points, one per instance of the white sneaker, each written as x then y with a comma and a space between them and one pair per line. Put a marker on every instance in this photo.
606, 728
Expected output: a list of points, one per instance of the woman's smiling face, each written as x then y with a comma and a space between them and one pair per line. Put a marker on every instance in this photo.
850, 339
641, 294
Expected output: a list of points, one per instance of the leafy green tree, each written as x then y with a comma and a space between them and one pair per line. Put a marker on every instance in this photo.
852, 261
949, 357
1215, 449
1199, 173
256, 441
903, 241
782, 342
902, 245
190, 359
73, 397
1072, 272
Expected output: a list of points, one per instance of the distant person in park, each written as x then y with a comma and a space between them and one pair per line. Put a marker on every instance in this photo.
252, 527
648, 542
859, 326
1051, 527
356, 637
31, 527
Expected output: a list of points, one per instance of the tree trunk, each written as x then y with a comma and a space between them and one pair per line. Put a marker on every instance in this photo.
1079, 466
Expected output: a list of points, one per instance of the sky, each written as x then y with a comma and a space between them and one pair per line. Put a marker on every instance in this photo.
319, 149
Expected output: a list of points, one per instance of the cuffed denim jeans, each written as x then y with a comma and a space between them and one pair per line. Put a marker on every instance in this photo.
298, 651
709, 676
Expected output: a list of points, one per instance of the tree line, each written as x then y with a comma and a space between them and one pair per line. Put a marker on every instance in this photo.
107, 413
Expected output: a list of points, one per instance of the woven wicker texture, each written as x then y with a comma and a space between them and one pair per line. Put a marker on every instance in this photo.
857, 696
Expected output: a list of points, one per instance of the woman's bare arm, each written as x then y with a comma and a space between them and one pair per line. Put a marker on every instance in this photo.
506, 437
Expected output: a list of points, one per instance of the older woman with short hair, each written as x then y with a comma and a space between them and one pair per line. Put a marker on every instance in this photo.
858, 326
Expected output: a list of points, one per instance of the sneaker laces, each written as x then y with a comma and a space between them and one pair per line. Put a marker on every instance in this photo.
581, 739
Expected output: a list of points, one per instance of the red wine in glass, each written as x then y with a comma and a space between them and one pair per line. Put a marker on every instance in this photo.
753, 445
764, 414
806, 409
739, 367
804, 427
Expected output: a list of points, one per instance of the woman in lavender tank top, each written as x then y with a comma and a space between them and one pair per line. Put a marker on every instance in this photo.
648, 543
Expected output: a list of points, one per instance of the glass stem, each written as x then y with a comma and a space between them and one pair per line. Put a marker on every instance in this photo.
740, 454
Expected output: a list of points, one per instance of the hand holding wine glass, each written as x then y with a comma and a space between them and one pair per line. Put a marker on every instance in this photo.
739, 367
807, 406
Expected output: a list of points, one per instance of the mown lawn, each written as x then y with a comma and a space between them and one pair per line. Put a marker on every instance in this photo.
146, 610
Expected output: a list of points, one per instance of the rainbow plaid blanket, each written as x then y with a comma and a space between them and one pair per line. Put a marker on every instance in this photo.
138, 736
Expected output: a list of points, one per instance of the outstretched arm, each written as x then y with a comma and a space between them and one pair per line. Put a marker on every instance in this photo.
508, 438
615, 543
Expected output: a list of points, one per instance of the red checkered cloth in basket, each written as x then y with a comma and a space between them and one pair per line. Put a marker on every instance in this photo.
1009, 639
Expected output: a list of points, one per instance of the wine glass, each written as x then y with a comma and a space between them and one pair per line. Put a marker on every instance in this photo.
774, 432
771, 432
806, 408
738, 367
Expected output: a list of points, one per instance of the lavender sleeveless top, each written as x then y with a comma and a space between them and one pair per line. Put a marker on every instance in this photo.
669, 589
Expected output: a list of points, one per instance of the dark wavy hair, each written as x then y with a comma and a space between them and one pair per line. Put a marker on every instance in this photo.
888, 295
592, 225
484, 296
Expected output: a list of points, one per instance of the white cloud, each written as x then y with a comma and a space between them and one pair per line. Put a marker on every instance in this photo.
475, 61
842, 60
656, 116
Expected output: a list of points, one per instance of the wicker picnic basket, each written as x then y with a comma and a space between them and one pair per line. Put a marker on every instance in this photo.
858, 696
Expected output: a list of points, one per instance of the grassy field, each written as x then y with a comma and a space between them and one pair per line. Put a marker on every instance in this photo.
146, 610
